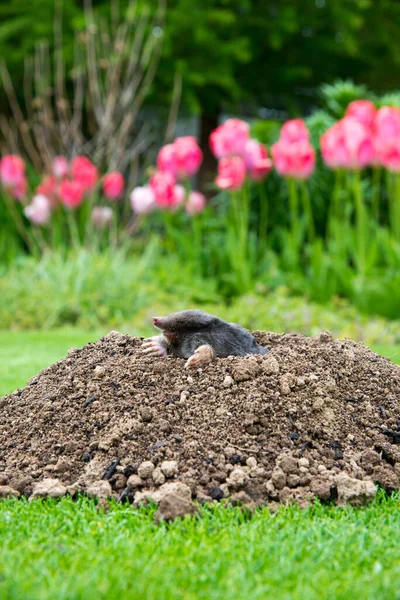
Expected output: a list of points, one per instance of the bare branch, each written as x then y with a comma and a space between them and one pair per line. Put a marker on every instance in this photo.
174, 109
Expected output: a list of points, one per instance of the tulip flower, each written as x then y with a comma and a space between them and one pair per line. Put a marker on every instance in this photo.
142, 199
101, 216
387, 137
60, 167
348, 144
113, 185
84, 172
195, 204
19, 191
12, 175
363, 111
12, 170
230, 138
294, 159
180, 194
167, 161
163, 187
181, 159
295, 130
49, 188
188, 156
71, 193
257, 162
231, 173
39, 211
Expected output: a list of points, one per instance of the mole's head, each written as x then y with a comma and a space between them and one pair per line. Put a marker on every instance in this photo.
180, 324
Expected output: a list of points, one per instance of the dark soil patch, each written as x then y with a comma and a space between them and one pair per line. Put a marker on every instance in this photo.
316, 417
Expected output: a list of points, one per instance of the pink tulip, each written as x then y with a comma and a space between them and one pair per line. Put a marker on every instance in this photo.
163, 187
19, 191
348, 144
229, 139
49, 188
142, 199
387, 123
387, 138
71, 193
12, 171
180, 194
39, 211
188, 156
295, 130
231, 173
84, 172
113, 185
195, 203
181, 159
363, 111
102, 216
60, 167
257, 162
296, 159
167, 160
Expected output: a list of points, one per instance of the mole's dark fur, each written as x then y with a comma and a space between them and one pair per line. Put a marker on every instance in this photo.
185, 331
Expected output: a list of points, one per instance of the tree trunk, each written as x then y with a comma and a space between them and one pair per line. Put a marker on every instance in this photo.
207, 173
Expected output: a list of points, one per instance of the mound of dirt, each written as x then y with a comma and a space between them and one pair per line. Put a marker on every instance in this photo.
316, 417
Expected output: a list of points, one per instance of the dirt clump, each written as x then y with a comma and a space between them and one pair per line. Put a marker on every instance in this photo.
316, 417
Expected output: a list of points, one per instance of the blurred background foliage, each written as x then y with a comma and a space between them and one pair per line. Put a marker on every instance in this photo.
256, 57
257, 52
265, 61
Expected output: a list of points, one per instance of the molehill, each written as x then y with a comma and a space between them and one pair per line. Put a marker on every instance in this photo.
316, 417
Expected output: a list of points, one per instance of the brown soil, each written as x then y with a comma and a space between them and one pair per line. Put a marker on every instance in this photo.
316, 417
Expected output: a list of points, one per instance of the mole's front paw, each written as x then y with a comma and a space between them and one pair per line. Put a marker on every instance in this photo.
154, 347
202, 356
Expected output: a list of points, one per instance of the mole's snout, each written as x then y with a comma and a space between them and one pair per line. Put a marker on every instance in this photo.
158, 322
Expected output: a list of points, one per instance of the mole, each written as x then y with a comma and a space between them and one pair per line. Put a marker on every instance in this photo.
199, 337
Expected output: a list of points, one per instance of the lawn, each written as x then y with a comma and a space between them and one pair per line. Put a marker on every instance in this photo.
70, 551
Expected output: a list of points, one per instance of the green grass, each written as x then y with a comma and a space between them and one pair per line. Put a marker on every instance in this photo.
70, 551
66, 550
24, 353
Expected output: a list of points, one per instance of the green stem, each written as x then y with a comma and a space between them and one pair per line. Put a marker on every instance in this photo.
169, 229
376, 189
360, 220
87, 228
115, 229
390, 187
396, 206
335, 209
245, 220
308, 211
238, 253
57, 237
19, 223
236, 214
196, 221
73, 228
294, 207
263, 223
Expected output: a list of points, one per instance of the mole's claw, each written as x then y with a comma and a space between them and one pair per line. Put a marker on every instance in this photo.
191, 363
202, 356
153, 347
149, 340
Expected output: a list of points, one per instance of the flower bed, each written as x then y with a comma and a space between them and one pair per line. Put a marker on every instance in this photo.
353, 251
